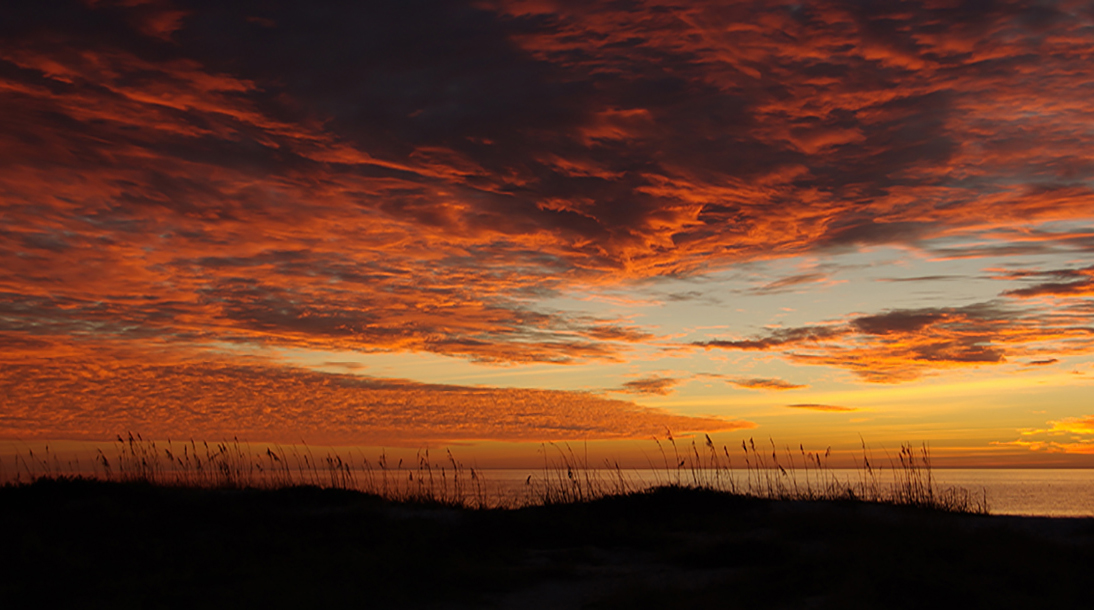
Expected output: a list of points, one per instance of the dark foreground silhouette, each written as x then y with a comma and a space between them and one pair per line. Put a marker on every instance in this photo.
88, 544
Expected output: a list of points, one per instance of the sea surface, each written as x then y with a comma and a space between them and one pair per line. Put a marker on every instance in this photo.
1030, 491
1039, 492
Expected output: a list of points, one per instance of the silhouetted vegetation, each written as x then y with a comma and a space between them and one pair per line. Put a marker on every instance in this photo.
565, 478
97, 544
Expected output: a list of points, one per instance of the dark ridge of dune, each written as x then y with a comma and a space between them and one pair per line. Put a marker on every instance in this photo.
90, 544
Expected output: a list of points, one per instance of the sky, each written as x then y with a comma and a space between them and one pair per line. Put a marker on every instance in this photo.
499, 224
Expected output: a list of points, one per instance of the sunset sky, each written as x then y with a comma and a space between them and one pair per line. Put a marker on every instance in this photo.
500, 223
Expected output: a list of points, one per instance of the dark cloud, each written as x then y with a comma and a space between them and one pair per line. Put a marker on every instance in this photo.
1080, 283
1063, 289
901, 345
899, 322
870, 231
650, 385
789, 283
615, 332
777, 338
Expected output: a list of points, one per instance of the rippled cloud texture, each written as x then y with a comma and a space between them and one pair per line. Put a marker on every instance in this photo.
94, 401
421, 177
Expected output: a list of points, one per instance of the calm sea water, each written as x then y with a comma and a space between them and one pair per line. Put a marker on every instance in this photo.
1042, 492
1056, 493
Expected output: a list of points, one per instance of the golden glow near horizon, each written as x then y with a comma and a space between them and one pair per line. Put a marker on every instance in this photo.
508, 223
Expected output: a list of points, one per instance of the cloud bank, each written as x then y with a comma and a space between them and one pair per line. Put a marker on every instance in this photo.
220, 400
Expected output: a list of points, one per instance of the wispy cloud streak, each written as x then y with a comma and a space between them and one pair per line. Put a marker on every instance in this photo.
820, 407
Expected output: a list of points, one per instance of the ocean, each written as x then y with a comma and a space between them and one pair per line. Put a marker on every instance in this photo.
1038, 492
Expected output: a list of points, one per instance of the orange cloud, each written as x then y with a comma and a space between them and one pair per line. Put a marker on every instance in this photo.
1079, 430
1070, 425
70, 398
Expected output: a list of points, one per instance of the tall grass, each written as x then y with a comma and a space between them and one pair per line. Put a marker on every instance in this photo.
768, 472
